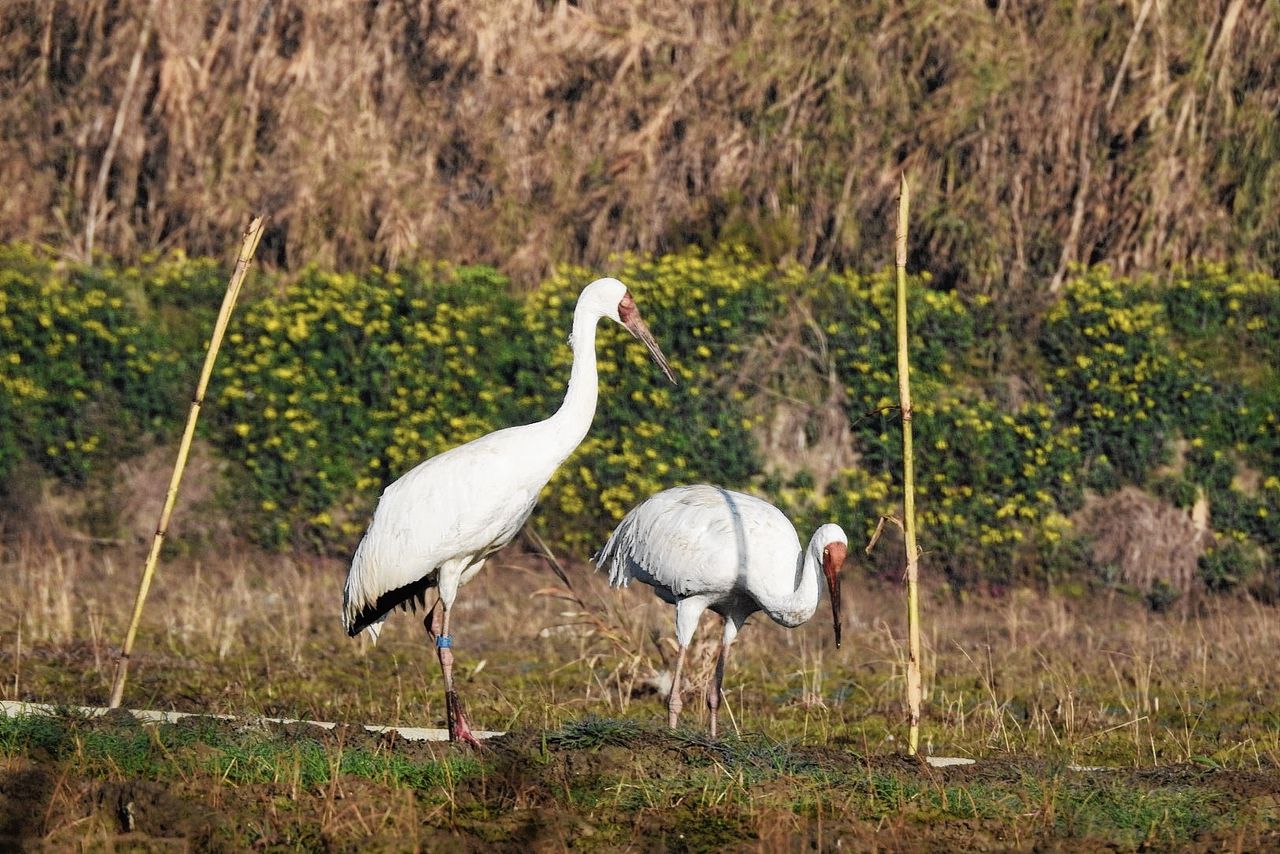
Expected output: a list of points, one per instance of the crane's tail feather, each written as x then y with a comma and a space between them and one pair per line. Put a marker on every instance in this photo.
616, 554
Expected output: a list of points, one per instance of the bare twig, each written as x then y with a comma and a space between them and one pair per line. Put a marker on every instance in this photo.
875, 536
551, 559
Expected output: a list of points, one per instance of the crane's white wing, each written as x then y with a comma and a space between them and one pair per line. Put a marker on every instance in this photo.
698, 540
458, 506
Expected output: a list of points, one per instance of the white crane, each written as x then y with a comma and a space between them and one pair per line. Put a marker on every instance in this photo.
435, 526
703, 547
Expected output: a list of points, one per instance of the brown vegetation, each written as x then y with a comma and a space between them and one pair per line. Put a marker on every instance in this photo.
1175, 703
524, 134
1097, 680
1147, 540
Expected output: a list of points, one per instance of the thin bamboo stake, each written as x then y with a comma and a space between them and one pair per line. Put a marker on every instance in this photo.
247, 249
908, 479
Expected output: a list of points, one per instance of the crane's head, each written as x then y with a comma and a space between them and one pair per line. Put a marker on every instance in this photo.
612, 299
834, 550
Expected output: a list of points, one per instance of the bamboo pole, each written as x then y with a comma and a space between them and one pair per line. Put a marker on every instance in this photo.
908, 479
248, 247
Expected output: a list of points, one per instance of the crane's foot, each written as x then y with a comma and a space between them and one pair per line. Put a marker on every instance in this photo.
459, 730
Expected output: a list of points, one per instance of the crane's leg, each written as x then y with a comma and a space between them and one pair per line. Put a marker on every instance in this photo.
439, 630
715, 692
432, 621
674, 703
688, 612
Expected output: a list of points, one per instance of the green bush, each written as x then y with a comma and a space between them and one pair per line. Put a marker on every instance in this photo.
1210, 308
333, 385
1112, 371
706, 311
859, 313
1226, 566
1178, 491
180, 296
1229, 322
1162, 595
84, 375
339, 384
995, 487
1209, 305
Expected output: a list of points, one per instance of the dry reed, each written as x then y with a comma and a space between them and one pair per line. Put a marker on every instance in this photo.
531, 133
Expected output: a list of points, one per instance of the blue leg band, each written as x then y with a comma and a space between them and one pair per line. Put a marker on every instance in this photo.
444, 642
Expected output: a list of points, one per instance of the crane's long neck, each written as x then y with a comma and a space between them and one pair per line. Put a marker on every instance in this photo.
798, 604
572, 420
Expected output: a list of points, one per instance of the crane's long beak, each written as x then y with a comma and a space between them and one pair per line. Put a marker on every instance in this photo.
832, 559
629, 314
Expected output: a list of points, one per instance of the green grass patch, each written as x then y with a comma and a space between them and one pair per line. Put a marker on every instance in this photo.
120, 746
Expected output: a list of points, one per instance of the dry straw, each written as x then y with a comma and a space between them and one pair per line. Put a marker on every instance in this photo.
388, 132
247, 249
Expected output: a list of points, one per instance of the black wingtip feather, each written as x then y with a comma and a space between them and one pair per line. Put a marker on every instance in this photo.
408, 597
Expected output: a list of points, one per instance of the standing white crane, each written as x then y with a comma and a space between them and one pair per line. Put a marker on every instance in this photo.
703, 547
435, 526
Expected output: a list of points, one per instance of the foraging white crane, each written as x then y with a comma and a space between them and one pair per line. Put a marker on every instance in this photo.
703, 547
435, 526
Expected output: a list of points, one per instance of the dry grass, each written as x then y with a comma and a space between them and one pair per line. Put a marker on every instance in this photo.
1102, 681
790, 377
1180, 702
1146, 539
524, 134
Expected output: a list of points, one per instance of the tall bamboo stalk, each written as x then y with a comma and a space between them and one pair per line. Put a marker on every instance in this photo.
908, 479
247, 249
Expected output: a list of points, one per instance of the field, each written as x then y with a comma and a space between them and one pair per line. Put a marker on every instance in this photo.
1096, 723
1094, 253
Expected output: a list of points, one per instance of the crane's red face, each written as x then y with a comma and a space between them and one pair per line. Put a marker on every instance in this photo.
629, 315
832, 559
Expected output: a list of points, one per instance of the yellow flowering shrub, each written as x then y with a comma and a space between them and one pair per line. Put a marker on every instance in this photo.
994, 487
332, 385
1237, 424
858, 314
1137, 363
1111, 370
340, 384
83, 376
705, 310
